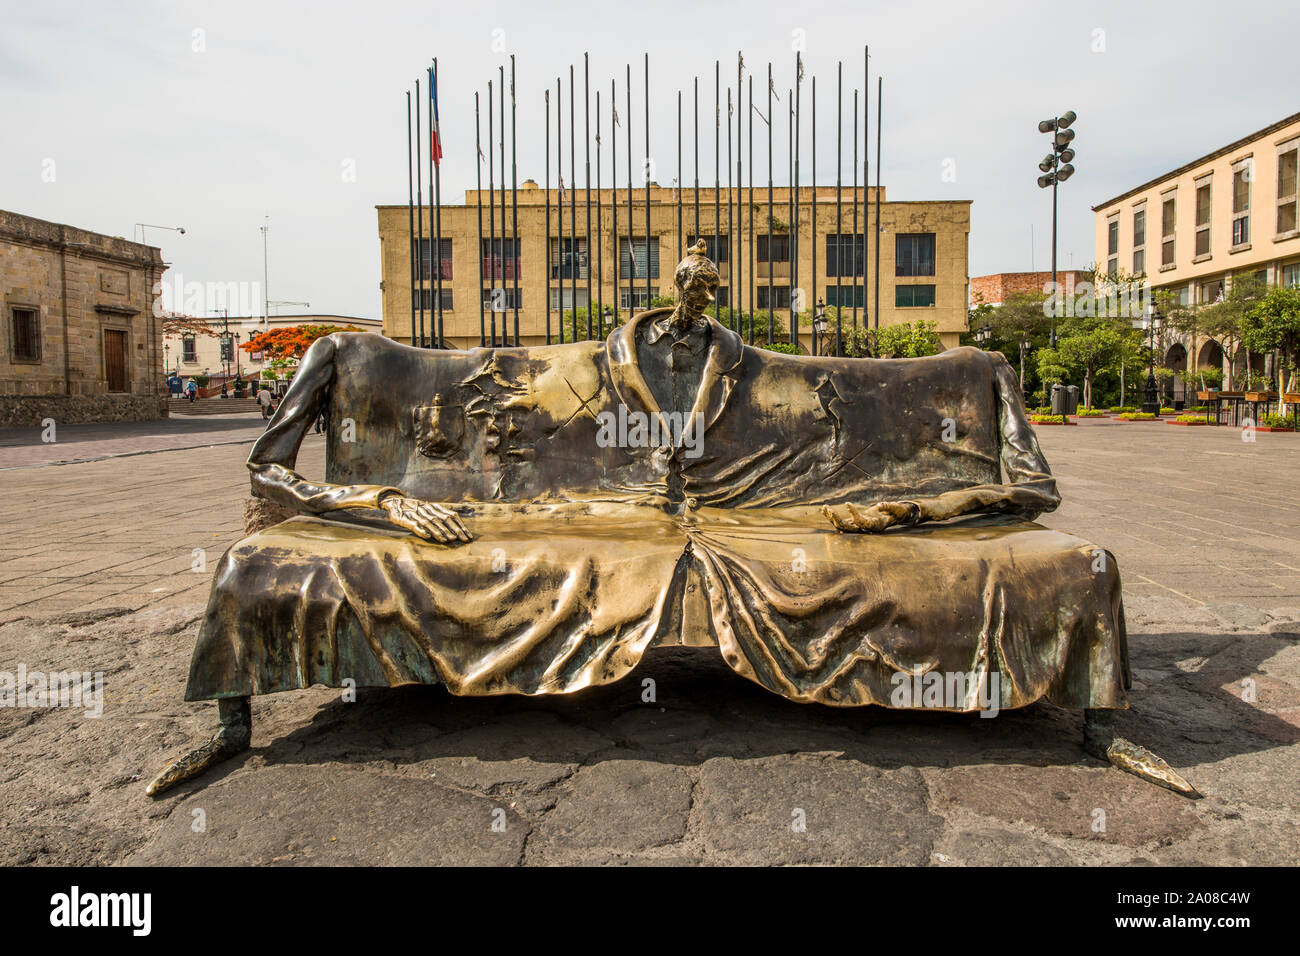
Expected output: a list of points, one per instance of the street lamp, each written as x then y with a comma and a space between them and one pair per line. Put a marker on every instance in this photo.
1056, 169
819, 324
1151, 322
142, 226
983, 334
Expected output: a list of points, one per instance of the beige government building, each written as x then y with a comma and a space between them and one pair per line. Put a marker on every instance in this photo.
1190, 231
923, 259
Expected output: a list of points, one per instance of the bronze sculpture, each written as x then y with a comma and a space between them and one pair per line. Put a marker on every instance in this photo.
530, 520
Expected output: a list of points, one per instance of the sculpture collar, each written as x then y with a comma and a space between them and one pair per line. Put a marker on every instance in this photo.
721, 369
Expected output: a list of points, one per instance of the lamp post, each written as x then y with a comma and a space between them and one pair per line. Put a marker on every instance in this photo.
142, 226
819, 326
1056, 169
1151, 399
226, 349
983, 334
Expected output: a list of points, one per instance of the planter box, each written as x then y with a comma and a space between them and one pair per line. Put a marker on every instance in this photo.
1046, 424
1265, 428
1207, 396
1261, 396
1202, 422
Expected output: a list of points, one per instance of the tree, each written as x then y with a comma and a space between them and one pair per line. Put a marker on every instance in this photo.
1089, 352
1222, 320
1273, 322
291, 341
176, 323
908, 340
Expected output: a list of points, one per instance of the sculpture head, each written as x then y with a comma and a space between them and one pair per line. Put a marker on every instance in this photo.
696, 279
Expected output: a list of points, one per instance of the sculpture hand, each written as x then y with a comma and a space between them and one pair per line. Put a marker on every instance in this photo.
878, 517
426, 519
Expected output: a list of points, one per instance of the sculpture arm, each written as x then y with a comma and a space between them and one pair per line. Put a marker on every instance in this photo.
1029, 491
276, 452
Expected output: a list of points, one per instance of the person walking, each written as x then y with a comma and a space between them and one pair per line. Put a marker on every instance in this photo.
264, 401
191, 391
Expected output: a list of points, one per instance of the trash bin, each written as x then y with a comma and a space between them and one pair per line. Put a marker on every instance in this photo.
1058, 399
1071, 400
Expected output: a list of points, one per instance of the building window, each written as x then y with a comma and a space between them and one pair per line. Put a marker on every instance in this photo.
1212, 291
715, 247
1203, 219
444, 259
914, 254
189, 350
1168, 221
25, 335
1139, 240
1287, 158
846, 255
847, 296
1241, 177
1291, 275
563, 298
569, 259
502, 298
636, 261
425, 299
500, 258
773, 249
910, 296
633, 299
779, 298
723, 297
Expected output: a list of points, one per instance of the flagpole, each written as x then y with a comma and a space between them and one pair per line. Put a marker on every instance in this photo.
731, 250
574, 259
717, 178
410, 210
771, 310
752, 256
853, 270
789, 211
839, 208
435, 174
648, 182
796, 294
548, 216
631, 250
738, 251
586, 138
559, 211
478, 197
813, 283
696, 233
600, 235
514, 199
880, 81
419, 213
492, 224
866, 175
501, 97
615, 265
681, 239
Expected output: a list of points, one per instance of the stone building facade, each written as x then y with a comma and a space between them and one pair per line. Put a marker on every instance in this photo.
922, 276
79, 340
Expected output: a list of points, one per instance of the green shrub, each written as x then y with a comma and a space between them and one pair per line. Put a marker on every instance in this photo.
1137, 417
1166, 411
789, 348
1047, 419
1089, 413
1192, 420
1124, 408
1276, 421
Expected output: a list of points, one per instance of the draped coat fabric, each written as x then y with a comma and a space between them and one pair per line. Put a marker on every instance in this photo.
588, 551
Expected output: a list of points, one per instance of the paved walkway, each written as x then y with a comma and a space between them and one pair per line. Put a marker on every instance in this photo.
99, 571
23, 447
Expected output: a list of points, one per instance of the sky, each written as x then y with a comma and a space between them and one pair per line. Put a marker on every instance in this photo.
226, 116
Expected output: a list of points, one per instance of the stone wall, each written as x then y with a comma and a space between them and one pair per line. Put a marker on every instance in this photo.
85, 288
24, 410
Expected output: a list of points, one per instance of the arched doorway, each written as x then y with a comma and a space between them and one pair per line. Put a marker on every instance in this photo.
1176, 361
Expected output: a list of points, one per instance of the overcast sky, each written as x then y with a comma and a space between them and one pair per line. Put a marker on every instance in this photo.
136, 117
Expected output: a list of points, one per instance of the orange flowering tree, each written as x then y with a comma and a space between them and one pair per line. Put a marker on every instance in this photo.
291, 341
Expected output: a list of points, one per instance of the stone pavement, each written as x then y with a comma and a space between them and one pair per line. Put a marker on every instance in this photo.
105, 566
22, 447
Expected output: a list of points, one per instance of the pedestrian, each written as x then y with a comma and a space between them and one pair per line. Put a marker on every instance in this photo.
264, 401
191, 391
